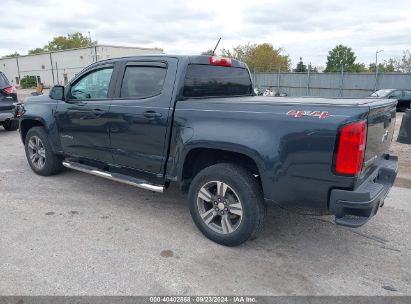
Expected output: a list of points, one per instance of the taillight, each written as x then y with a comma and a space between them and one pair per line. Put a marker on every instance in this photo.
223, 61
20, 110
9, 90
351, 148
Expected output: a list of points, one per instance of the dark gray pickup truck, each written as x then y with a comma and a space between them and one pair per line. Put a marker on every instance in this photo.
194, 120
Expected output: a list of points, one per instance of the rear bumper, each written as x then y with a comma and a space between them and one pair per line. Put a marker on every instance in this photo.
9, 112
354, 208
7, 115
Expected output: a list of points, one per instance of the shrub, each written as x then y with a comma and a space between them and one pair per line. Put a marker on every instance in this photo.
28, 82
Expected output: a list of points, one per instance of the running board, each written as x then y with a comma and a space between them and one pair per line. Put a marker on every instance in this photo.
125, 179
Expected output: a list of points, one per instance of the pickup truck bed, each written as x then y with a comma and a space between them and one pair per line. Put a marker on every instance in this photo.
153, 120
290, 152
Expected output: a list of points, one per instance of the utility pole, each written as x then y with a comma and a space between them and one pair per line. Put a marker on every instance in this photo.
255, 85
342, 78
18, 69
343, 60
57, 73
308, 79
91, 48
376, 68
52, 68
278, 79
342, 72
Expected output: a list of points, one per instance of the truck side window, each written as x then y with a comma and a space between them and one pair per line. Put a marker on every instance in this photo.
142, 81
92, 86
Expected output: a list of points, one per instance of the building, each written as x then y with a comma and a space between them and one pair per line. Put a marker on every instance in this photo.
59, 67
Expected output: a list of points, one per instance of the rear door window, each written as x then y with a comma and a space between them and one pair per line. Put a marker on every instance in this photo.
142, 81
407, 94
216, 81
396, 94
4, 83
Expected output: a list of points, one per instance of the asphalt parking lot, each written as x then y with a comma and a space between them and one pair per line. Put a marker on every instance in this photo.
76, 234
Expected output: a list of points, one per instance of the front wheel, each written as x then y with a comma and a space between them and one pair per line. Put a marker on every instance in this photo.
226, 204
40, 154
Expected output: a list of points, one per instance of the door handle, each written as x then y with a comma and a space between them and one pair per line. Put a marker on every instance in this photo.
152, 114
76, 102
98, 112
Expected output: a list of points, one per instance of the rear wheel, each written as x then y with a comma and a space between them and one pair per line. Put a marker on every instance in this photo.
40, 154
11, 125
226, 204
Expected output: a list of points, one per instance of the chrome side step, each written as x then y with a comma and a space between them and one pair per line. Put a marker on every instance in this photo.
125, 179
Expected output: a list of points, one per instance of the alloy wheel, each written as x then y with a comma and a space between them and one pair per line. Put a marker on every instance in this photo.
219, 207
37, 152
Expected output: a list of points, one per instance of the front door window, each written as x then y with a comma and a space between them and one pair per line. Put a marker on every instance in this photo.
92, 86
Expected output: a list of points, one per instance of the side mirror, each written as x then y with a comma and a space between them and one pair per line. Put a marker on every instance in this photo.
57, 92
392, 97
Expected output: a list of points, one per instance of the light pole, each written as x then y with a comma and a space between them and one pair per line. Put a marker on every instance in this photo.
308, 79
343, 59
376, 68
91, 47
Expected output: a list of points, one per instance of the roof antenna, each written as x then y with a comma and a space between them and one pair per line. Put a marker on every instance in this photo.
216, 45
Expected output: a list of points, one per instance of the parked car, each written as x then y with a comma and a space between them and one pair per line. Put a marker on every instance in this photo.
404, 134
195, 120
270, 92
403, 97
258, 91
8, 100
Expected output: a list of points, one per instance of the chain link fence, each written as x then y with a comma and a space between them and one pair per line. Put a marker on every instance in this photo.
330, 84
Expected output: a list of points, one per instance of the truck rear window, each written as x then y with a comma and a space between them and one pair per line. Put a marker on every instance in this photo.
216, 81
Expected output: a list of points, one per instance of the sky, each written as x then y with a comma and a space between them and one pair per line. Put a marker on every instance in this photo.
307, 29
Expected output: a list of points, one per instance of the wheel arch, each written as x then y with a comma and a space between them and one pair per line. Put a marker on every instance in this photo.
199, 158
27, 124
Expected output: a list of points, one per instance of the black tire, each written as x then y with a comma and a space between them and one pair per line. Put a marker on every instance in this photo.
249, 193
53, 163
11, 125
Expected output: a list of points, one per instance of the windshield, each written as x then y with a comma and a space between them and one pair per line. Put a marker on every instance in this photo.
381, 93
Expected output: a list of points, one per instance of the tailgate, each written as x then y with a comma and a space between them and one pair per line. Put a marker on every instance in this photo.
6, 102
381, 124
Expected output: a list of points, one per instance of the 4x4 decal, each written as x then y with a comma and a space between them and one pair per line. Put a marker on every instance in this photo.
298, 114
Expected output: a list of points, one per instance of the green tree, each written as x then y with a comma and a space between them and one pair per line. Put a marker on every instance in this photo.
71, 41
359, 68
341, 56
15, 54
301, 67
313, 69
401, 64
404, 63
261, 57
208, 52
36, 51
387, 67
